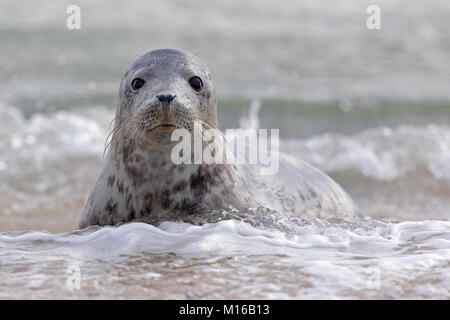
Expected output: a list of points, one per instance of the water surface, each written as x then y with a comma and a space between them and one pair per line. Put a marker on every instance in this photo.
371, 109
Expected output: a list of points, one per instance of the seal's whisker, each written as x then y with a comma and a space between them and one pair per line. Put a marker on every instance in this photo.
214, 123
204, 132
112, 135
135, 133
113, 131
213, 128
125, 135
142, 137
216, 130
108, 142
113, 120
129, 131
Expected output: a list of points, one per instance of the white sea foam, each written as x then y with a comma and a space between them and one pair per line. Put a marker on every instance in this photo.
379, 153
44, 139
333, 258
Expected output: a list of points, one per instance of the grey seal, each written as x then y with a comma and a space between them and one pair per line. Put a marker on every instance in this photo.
168, 89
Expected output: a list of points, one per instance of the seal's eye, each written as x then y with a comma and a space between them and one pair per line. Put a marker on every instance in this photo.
137, 83
196, 83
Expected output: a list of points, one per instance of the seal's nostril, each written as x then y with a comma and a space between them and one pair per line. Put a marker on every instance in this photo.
166, 99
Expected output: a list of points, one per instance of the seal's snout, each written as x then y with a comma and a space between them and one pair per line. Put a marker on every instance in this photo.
165, 112
167, 115
165, 98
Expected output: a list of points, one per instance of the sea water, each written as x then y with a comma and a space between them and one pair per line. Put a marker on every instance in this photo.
371, 109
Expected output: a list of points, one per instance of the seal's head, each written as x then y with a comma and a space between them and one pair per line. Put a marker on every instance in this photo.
167, 89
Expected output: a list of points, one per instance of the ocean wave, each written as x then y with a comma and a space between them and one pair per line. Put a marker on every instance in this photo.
318, 259
39, 142
233, 237
379, 153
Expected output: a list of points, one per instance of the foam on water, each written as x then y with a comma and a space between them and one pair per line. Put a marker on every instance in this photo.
380, 153
44, 139
319, 259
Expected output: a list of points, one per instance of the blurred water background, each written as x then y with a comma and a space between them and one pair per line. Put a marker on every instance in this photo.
370, 108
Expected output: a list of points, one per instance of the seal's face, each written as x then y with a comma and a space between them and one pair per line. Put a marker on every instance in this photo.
167, 89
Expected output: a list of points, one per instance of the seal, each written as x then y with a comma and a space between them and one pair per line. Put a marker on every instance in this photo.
169, 89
